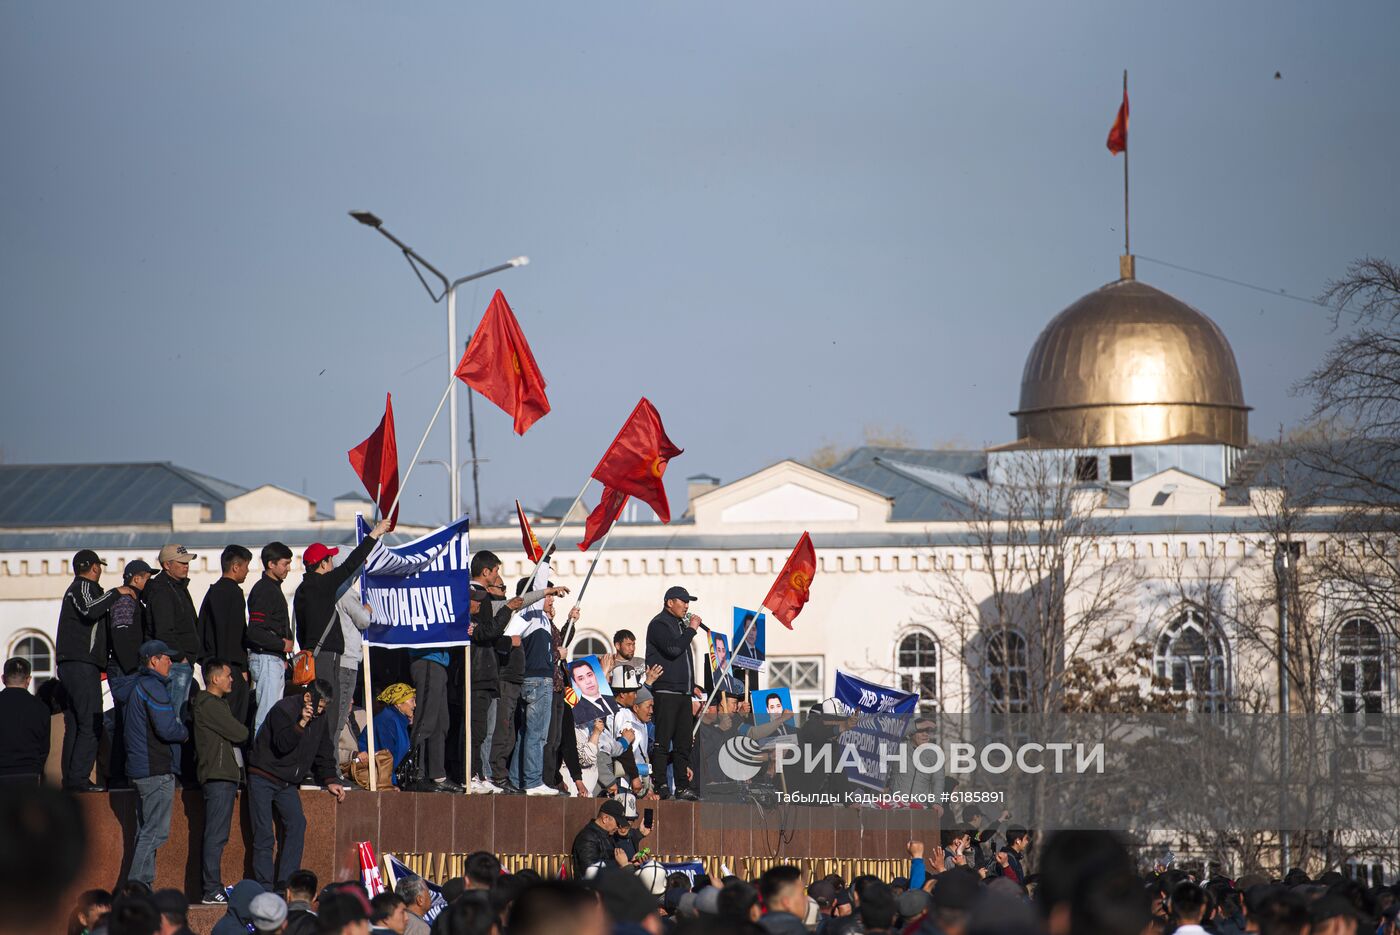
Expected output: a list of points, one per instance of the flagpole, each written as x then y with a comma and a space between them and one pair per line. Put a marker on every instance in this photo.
728, 667
369, 691
1127, 251
578, 601
452, 509
577, 500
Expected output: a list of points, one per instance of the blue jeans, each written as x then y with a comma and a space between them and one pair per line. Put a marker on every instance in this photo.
219, 796
269, 673
181, 676
485, 750
264, 796
536, 698
153, 811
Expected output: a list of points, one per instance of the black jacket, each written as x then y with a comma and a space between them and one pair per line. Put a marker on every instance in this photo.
223, 624
129, 623
82, 622
511, 660
314, 602
668, 646
286, 751
487, 627
24, 733
591, 845
268, 621
172, 615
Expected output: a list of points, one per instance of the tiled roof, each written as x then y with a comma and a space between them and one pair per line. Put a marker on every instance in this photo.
37, 495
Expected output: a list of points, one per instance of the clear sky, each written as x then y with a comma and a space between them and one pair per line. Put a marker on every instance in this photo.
781, 221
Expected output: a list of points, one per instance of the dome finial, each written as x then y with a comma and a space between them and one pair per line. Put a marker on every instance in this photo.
1127, 266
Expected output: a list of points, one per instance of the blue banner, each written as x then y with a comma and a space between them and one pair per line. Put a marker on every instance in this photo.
399, 871
885, 714
691, 868
419, 593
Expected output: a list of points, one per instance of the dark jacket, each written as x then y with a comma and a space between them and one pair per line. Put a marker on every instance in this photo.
591, 845
153, 730
782, 923
668, 646
24, 733
511, 660
539, 654
172, 615
492, 618
223, 623
127, 627
268, 620
285, 751
314, 602
239, 917
216, 731
82, 622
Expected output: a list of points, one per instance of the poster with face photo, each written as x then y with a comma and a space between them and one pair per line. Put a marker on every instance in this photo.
768, 707
595, 698
748, 654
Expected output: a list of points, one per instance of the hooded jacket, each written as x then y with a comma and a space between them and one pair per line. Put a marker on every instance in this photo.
286, 751
216, 730
152, 730
172, 615
239, 918
82, 622
127, 627
223, 624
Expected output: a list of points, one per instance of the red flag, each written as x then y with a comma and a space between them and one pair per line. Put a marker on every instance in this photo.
602, 517
637, 458
527, 536
1118, 135
790, 592
498, 365
376, 461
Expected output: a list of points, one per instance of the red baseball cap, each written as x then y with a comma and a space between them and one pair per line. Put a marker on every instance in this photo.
317, 553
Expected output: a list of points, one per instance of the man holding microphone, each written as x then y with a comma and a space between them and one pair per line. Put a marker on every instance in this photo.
669, 637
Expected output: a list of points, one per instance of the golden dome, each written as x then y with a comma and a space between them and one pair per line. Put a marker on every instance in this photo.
1128, 364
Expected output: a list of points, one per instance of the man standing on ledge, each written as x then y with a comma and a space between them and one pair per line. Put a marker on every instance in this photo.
318, 618
668, 645
173, 620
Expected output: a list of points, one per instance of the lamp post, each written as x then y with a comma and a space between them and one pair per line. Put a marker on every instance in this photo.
449, 291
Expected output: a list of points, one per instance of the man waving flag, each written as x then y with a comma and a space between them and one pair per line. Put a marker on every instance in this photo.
636, 460
498, 365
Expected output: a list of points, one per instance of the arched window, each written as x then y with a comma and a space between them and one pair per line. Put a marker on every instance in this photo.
916, 668
1007, 673
590, 644
39, 651
1360, 676
1191, 655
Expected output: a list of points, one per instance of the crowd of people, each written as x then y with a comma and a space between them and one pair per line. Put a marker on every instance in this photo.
271, 711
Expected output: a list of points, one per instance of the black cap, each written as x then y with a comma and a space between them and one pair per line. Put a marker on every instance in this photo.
625, 898
136, 567
956, 889
679, 593
614, 808
84, 559
1331, 906
171, 901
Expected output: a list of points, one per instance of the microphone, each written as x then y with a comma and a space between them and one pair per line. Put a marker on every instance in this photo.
686, 621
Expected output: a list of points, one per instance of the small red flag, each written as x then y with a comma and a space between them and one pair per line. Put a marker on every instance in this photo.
376, 461
1118, 134
602, 517
527, 536
498, 365
636, 460
790, 592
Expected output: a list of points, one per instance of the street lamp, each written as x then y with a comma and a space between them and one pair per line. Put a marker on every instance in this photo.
449, 290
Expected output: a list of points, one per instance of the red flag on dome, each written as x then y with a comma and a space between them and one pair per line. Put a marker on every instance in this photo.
376, 461
1118, 134
790, 592
498, 365
636, 460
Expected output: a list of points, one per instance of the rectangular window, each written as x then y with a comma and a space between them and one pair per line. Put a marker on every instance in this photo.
803, 676
1086, 467
1120, 468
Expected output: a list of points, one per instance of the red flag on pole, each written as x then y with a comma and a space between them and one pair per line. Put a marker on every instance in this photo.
636, 460
376, 461
1118, 134
498, 365
602, 517
533, 549
790, 592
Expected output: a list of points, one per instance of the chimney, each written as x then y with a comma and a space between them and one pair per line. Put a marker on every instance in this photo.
1127, 266
695, 485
